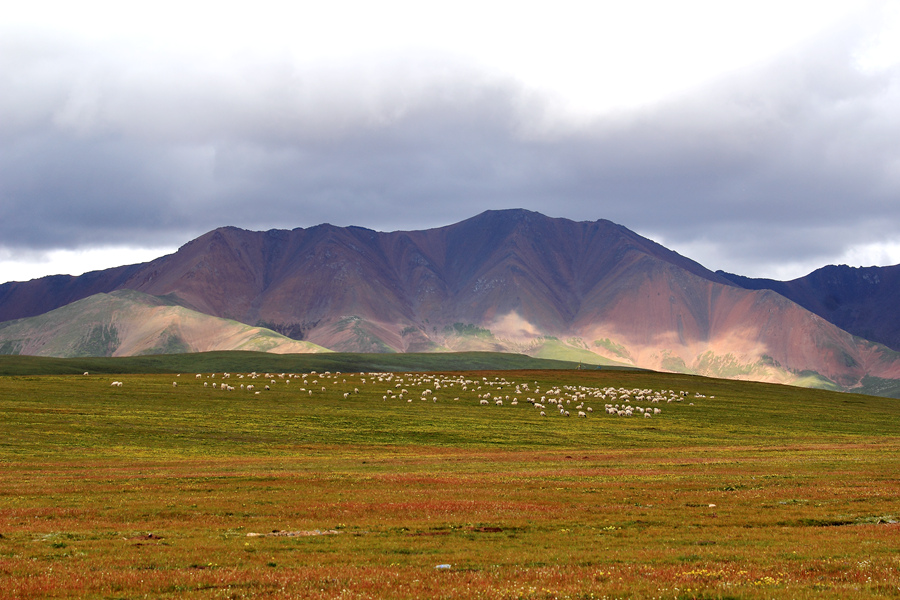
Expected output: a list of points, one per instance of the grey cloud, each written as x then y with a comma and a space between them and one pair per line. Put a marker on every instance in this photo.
794, 160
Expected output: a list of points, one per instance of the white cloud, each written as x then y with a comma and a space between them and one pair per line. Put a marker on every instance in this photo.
873, 254
591, 56
24, 266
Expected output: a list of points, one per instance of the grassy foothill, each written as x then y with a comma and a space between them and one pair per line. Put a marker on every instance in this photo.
365, 485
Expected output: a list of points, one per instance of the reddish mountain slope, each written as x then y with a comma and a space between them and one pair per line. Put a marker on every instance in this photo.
861, 300
504, 280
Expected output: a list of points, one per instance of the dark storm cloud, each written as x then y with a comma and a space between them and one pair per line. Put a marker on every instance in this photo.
795, 160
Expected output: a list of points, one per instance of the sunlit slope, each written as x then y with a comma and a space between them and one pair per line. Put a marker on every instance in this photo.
129, 323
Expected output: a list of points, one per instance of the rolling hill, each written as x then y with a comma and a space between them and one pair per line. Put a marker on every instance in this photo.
131, 323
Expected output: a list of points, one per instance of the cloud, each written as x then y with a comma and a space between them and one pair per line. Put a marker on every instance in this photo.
792, 161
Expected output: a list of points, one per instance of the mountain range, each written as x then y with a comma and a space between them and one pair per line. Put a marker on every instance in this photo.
511, 280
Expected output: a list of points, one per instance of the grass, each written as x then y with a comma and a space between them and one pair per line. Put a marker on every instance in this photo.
248, 361
754, 491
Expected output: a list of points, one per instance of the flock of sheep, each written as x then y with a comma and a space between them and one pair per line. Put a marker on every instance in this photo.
496, 391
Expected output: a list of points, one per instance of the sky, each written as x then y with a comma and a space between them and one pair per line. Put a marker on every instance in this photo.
761, 138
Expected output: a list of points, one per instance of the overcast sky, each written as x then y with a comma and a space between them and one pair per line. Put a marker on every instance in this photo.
760, 137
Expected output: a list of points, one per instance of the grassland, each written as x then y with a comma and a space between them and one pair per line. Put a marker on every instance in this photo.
741, 490
250, 361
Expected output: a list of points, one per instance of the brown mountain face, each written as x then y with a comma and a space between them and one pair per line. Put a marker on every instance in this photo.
861, 300
503, 280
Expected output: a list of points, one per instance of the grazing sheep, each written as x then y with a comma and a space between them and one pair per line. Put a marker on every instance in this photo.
581, 413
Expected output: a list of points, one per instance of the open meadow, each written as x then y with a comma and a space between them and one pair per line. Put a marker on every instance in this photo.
410, 485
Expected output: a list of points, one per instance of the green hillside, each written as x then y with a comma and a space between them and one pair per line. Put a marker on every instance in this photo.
208, 362
130, 323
